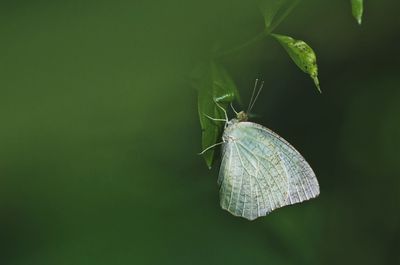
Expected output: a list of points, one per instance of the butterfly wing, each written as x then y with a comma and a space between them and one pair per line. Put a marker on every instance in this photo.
260, 172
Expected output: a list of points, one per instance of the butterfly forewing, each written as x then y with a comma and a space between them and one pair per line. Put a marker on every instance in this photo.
260, 172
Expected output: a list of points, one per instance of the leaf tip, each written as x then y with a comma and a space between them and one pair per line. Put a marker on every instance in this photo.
316, 82
209, 164
357, 7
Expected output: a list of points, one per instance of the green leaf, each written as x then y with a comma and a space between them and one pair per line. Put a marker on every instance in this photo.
302, 55
214, 85
357, 8
269, 8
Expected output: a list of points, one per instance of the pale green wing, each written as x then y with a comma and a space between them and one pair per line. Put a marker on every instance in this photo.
260, 172
303, 184
251, 186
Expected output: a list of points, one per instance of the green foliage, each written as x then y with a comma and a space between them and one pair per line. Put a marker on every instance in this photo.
302, 55
215, 87
357, 8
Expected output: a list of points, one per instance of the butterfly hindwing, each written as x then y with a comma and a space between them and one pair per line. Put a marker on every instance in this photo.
303, 184
260, 172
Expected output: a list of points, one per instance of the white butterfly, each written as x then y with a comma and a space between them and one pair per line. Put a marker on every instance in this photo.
260, 171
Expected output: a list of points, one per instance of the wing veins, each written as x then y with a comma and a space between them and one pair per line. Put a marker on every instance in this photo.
301, 173
241, 179
255, 156
276, 201
232, 188
260, 186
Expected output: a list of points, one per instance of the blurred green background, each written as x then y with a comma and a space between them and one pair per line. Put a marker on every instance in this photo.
99, 133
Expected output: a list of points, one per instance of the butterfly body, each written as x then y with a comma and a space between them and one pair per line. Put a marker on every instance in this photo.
260, 171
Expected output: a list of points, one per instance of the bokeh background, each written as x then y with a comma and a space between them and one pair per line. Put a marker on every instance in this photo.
99, 133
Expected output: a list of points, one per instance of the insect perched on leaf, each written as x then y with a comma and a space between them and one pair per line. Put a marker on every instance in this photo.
260, 171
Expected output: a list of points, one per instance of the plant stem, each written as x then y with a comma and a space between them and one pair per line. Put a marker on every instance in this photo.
283, 16
258, 37
262, 34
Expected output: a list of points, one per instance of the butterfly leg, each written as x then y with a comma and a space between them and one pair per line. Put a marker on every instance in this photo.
210, 147
226, 115
214, 119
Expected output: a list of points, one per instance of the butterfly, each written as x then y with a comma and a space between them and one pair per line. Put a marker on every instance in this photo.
260, 171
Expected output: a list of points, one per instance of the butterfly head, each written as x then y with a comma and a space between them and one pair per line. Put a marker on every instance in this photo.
242, 116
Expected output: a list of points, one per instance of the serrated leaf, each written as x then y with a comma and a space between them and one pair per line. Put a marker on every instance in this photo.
357, 8
302, 55
214, 85
269, 8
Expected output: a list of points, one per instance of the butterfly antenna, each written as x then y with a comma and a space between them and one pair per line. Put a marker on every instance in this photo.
236, 113
256, 97
252, 95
